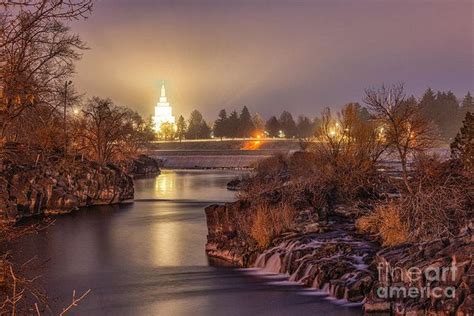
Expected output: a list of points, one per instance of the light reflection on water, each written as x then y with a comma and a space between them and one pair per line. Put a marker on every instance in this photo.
177, 223
148, 258
164, 185
196, 185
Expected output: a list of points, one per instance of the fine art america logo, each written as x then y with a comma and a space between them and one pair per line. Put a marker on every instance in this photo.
415, 282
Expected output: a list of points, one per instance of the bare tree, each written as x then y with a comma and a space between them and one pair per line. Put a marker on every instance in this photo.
100, 130
138, 135
106, 132
405, 128
37, 53
348, 137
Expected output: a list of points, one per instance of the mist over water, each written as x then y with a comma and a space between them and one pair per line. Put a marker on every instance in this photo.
148, 258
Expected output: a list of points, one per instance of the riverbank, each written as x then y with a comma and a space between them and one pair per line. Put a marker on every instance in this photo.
148, 258
32, 185
332, 257
354, 233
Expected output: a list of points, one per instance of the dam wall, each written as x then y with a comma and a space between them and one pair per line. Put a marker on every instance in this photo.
242, 159
211, 159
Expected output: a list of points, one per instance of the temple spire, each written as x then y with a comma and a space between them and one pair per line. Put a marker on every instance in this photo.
163, 111
163, 98
163, 91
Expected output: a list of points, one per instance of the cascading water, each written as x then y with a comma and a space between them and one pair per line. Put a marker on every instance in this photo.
330, 263
273, 265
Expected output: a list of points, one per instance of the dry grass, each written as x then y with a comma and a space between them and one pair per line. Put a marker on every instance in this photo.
268, 222
432, 213
386, 223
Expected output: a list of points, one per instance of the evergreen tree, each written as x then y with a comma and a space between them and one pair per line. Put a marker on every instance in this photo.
467, 104
362, 112
195, 125
305, 127
204, 130
442, 109
427, 101
258, 124
245, 123
448, 112
287, 124
181, 128
233, 125
272, 127
462, 147
220, 125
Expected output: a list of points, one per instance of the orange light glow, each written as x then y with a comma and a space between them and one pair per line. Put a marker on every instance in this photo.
251, 145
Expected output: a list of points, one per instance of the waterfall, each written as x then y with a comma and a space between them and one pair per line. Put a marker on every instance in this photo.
273, 265
260, 262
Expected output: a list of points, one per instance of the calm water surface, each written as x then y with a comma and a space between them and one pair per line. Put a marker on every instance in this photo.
148, 258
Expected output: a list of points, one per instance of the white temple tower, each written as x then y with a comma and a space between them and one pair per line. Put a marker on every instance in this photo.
163, 111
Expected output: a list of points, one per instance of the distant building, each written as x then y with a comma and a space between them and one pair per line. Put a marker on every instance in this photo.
163, 111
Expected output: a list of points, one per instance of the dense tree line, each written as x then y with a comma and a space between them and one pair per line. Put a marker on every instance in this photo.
441, 108
235, 125
246, 125
445, 110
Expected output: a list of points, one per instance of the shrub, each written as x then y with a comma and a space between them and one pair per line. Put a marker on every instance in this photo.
440, 206
386, 223
269, 174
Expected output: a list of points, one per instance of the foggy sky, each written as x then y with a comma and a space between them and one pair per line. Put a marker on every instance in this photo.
272, 55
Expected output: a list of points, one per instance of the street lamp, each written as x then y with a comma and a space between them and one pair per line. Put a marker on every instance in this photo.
66, 85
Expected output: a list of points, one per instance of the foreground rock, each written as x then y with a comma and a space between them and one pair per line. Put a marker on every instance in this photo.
334, 258
434, 277
59, 186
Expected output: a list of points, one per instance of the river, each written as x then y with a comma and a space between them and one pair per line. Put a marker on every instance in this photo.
148, 258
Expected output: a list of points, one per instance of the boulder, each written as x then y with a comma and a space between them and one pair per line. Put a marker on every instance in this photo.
234, 185
143, 165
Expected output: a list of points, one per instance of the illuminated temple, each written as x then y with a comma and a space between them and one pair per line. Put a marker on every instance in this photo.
163, 111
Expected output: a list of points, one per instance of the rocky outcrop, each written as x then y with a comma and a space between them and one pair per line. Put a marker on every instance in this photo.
234, 185
433, 277
59, 186
225, 239
142, 166
314, 254
334, 258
